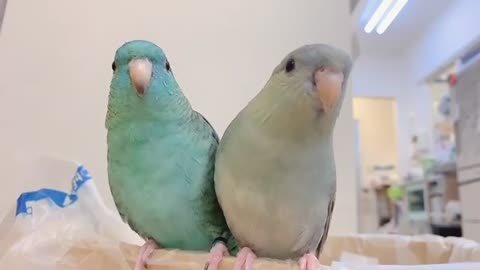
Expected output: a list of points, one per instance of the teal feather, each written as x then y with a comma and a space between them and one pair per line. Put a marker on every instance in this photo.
161, 158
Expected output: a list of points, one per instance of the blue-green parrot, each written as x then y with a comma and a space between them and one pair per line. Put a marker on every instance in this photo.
275, 173
161, 157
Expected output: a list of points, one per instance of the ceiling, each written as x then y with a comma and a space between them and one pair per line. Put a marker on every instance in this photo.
413, 20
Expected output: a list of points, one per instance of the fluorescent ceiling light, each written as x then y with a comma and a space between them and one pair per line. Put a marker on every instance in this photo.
388, 19
377, 15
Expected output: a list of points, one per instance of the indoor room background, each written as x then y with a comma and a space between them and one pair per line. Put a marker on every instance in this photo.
407, 140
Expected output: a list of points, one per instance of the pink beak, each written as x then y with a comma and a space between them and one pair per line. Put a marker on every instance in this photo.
140, 74
328, 87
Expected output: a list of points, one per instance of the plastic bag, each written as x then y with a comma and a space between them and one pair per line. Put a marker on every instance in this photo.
47, 224
50, 229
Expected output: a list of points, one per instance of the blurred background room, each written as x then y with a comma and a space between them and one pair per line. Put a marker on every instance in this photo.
407, 143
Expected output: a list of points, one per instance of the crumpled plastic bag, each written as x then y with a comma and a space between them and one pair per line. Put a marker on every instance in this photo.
50, 229
47, 224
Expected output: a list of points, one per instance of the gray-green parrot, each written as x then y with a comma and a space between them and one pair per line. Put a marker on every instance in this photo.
161, 158
275, 171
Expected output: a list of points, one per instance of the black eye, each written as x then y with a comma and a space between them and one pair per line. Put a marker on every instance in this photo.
290, 65
167, 66
114, 66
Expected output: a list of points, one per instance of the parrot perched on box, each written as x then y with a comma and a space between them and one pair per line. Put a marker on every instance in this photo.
161, 158
275, 173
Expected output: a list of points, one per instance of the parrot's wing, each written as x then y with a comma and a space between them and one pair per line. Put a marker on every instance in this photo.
331, 205
125, 218
215, 212
214, 133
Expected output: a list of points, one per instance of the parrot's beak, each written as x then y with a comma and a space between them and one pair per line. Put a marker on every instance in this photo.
328, 87
140, 74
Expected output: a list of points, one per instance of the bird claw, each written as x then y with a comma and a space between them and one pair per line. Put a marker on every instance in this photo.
217, 252
309, 262
145, 252
245, 257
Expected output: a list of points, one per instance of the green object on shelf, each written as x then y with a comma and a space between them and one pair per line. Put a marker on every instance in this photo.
427, 165
395, 192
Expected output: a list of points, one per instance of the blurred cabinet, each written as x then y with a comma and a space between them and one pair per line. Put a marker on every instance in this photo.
467, 127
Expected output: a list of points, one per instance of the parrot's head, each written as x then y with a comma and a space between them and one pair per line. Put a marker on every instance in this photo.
143, 83
315, 76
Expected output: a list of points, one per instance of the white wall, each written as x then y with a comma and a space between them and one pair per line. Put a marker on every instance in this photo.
451, 33
55, 72
379, 75
390, 75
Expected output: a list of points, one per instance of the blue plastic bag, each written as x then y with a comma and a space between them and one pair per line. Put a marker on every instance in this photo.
45, 224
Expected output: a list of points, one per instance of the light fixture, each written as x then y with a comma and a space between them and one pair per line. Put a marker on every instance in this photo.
391, 15
377, 15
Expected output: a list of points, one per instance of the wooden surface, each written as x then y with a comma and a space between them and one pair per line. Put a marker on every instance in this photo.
384, 249
93, 256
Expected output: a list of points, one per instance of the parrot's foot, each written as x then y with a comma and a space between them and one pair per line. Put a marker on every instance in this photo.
144, 253
309, 262
245, 257
217, 252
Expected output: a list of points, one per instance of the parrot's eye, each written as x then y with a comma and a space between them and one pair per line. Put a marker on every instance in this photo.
167, 66
114, 66
290, 65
